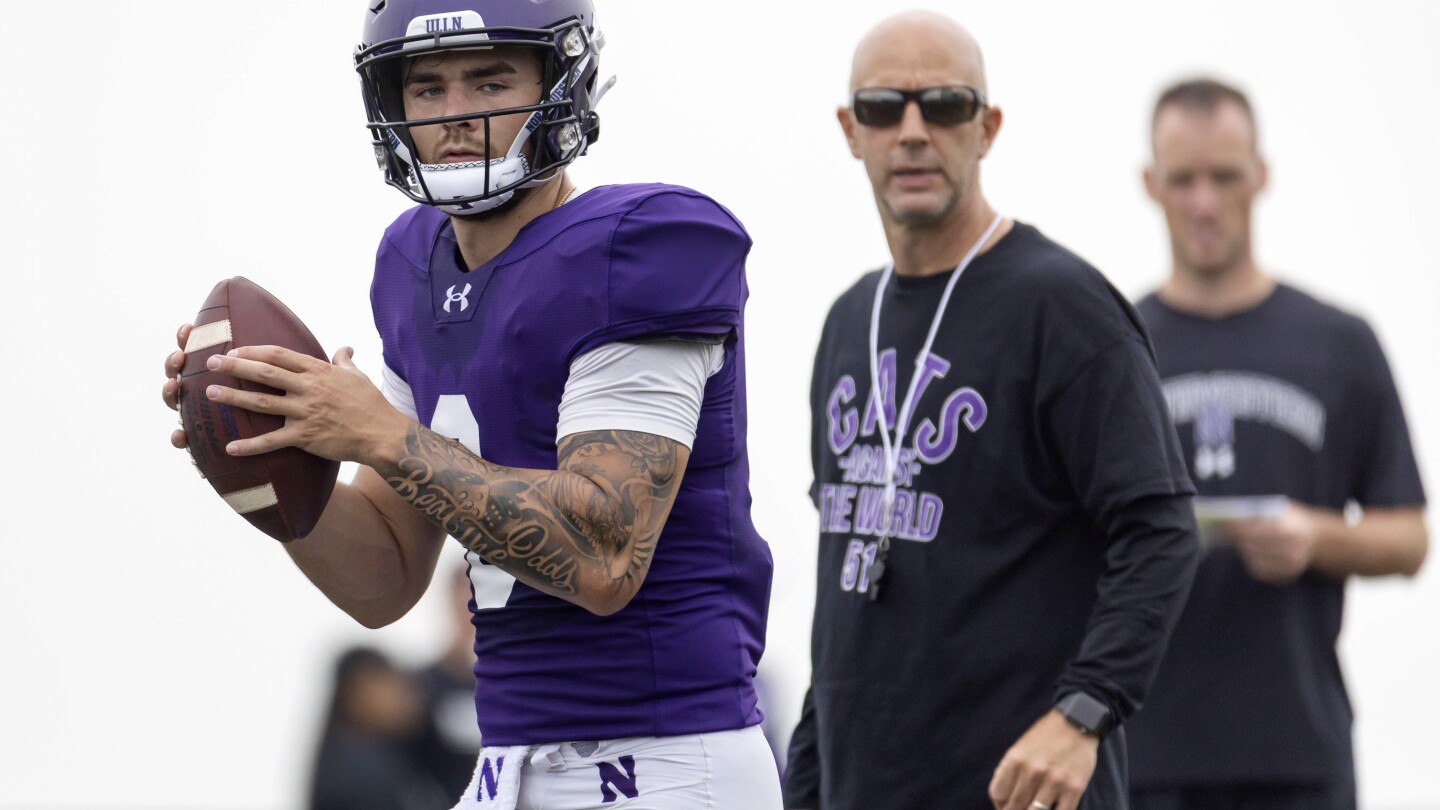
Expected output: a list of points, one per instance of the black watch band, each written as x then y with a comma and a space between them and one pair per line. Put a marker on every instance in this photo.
1087, 714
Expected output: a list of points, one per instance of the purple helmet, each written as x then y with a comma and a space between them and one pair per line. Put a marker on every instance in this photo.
558, 129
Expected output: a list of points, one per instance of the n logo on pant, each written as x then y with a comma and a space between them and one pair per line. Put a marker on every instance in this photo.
489, 781
611, 780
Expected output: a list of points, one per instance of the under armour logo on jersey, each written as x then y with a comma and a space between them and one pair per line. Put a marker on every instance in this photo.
452, 297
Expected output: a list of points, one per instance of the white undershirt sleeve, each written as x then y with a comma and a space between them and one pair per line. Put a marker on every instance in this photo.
397, 392
645, 387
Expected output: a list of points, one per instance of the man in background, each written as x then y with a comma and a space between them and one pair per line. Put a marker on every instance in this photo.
1006, 527
365, 757
1289, 417
447, 748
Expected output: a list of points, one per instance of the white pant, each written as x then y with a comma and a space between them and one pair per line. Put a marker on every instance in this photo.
721, 770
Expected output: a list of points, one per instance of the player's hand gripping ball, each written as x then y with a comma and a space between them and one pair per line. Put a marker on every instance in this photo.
283, 492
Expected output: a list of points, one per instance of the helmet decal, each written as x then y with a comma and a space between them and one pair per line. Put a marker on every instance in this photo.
447, 22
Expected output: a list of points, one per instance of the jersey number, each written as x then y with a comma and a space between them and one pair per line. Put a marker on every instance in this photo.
488, 585
855, 574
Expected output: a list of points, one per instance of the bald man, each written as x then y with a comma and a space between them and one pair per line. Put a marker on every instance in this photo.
1006, 528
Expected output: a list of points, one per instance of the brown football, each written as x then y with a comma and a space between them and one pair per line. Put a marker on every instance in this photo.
283, 492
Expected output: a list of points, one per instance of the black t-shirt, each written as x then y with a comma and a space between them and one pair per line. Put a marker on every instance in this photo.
1292, 397
450, 743
1017, 573
362, 771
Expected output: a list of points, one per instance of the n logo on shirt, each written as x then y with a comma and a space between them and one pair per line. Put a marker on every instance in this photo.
1212, 402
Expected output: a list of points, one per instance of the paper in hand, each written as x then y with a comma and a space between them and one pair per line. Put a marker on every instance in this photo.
1213, 513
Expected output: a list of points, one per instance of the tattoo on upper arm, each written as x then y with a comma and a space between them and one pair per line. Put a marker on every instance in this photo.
635, 476
596, 519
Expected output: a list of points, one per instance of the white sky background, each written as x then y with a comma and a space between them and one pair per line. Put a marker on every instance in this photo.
161, 654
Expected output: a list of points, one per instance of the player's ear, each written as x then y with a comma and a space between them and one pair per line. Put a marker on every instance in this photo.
1148, 175
847, 125
1264, 174
990, 119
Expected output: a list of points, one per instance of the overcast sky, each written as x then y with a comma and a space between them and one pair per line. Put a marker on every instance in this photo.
161, 654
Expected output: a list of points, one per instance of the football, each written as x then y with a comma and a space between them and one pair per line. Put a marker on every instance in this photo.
283, 492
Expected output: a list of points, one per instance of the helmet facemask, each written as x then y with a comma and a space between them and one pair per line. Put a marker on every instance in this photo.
556, 130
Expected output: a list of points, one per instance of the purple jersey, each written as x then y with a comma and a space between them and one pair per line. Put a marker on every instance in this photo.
494, 346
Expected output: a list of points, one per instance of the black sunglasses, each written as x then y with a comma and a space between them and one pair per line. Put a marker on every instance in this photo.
946, 106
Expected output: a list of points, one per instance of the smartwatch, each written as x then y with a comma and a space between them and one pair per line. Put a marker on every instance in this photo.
1087, 714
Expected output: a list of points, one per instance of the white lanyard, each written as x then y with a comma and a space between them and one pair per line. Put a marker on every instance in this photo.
892, 450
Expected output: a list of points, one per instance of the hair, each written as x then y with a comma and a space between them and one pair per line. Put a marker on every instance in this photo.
349, 666
1204, 95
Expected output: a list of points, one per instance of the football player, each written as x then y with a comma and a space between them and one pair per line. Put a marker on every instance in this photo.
563, 392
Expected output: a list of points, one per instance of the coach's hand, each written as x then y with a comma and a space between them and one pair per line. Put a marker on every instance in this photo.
1049, 766
1276, 550
330, 409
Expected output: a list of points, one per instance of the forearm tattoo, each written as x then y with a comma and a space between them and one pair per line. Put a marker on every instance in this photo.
591, 524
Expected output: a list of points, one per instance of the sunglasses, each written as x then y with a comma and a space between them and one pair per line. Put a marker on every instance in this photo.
946, 106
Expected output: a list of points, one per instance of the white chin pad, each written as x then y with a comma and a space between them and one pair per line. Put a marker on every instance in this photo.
451, 181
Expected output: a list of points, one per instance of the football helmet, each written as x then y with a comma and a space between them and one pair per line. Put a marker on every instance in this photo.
558, 129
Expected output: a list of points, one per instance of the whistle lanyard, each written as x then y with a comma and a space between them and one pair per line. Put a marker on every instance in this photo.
893, 449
